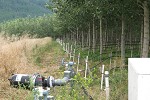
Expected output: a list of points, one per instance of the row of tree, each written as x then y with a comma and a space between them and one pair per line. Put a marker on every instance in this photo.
40, 26
95, 23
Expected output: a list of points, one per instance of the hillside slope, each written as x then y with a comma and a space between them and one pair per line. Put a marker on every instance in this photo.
11, 9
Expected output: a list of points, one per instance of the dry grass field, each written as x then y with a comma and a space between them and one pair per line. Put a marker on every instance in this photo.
15, 57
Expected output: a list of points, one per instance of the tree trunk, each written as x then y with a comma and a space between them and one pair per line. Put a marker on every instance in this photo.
87, 39
123, 42
112, 36
82, 40
105, 35
130, 37
101, 44
71, 39
77, 36
89, 33
146, 30
141, 40
93, 35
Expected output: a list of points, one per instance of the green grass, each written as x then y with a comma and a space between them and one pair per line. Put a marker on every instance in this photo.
41, 53
118, 77
119, 84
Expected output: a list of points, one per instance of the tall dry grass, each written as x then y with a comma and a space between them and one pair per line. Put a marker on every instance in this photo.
14, 54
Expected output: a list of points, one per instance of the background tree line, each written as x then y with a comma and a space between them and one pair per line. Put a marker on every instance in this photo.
40, 26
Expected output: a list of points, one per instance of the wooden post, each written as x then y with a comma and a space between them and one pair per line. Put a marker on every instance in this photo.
107, 84
102, 78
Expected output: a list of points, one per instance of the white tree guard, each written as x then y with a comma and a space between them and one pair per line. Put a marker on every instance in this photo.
107, 84
102, 78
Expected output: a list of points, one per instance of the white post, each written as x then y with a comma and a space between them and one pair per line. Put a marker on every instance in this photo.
78, 62
71, 49
63, 46
74, 52
66, 48
61, 42
75, 44
114, 67
102, 78
70, 52
86, 68
107, 84
58, 40
110, 60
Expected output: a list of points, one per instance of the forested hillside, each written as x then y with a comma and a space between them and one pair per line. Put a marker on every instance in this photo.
11, 9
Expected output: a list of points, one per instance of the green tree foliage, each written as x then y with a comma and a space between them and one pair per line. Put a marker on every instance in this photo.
40, 26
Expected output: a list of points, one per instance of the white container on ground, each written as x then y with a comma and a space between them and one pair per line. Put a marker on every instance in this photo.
139, 79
